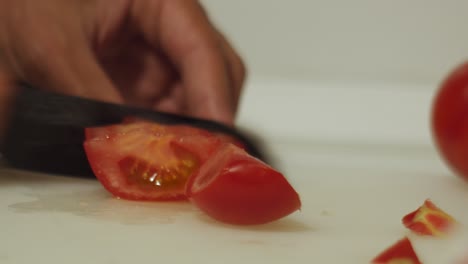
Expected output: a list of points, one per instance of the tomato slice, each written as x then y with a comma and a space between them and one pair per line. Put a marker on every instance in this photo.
429, 220
147, 161
236, 188
140, 160
401, 252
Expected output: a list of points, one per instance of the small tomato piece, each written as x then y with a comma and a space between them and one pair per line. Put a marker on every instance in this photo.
147, 161
429, 220
236, 188
401, 252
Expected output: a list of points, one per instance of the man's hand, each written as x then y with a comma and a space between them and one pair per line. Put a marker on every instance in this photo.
163, 54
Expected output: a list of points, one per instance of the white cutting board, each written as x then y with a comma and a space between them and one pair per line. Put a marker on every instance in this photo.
353, 200
359, 163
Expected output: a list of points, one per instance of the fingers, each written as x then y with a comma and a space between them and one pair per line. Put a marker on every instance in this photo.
172, 100
7, 91
73, 72
140, 73
182, 30
50, 50
236, 68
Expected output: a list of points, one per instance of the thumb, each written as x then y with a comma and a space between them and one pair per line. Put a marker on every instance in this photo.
7, 92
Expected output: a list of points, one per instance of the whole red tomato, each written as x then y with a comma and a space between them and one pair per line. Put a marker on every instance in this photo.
450, 120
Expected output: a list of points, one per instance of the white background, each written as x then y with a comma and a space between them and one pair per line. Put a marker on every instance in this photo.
369, 68
342, 91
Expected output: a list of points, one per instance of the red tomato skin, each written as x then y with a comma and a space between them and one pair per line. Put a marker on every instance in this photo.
241, 189
450, 120
400, 251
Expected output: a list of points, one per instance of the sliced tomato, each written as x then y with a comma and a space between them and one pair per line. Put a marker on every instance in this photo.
401, 252
140, 160
236, 188
147, 161
429, 220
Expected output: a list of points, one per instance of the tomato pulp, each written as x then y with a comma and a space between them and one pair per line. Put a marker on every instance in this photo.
450, 120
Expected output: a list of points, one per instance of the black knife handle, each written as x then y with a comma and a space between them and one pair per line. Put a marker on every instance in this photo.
46, 130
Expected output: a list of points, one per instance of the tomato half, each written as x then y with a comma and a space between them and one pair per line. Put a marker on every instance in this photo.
450, 120
401, 252
140, 160
147, 161
236, 188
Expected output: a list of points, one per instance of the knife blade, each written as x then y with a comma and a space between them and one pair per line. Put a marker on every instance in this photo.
46, 130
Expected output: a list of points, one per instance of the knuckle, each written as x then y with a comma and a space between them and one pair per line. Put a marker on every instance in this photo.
46, 52
242, 68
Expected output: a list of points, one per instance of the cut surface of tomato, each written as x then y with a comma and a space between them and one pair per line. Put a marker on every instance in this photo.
236, 188
147, 161
131, 124
401, 252
429, 220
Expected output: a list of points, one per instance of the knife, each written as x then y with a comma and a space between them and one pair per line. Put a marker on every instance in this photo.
46, 130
